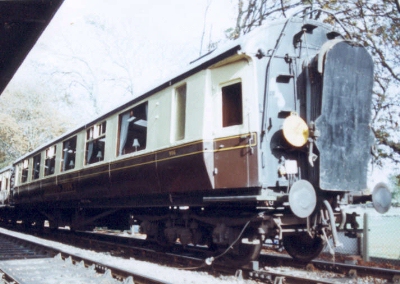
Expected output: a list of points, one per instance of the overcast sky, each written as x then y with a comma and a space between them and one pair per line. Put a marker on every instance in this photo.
157, 37
158, 21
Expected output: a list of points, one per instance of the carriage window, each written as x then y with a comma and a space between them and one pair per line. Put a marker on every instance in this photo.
232, 113
36, 166
133, 130
69, 152
179, 113
25, 169
50, 162
95, 143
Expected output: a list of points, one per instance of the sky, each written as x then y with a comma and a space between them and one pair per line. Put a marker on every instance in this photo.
158, 21
154, 38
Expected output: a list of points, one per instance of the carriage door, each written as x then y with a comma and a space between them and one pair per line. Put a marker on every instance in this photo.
234, 155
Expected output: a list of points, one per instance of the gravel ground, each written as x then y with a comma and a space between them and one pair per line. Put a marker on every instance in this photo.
169, 274
175, 275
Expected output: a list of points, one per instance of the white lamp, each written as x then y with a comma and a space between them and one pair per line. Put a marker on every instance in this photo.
136, 143
99, 155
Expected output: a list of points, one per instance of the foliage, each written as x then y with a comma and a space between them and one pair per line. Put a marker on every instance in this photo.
28, 118
375, 24
11, 144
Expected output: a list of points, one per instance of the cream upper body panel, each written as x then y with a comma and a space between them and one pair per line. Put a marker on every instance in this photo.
238, 73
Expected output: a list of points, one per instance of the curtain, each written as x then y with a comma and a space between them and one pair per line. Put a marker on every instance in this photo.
65, 162
48, 166
90, 152
123, 136
36, 169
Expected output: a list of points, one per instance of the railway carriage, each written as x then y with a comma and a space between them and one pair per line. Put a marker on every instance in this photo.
5, 185
261, 139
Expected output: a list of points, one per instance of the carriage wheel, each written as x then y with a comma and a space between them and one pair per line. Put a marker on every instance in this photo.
303, 247
245, 250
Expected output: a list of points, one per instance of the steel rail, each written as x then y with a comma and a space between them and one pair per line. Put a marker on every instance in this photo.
117, 273
196, 261
349, 270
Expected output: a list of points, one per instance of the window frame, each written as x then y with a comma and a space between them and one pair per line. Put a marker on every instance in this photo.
95, 144
179, 112
69, 154
231, 106
24, 170
36, 166
50, 160
130, 124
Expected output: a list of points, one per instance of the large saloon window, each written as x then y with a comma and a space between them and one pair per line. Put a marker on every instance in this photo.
25, 170
232, 113
133, 130
50, 162
95, 143
69, 152
36, 166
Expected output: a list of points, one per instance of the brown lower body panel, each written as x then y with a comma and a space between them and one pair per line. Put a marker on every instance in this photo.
190, 168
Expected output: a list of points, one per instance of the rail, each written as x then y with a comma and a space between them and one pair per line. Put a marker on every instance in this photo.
271, 265
30, 249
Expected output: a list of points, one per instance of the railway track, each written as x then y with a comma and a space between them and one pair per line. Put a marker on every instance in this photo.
350, 270
339, 271
24, 261
11, 249
270, 268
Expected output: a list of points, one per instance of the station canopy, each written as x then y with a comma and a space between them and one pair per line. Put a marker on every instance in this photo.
21, 24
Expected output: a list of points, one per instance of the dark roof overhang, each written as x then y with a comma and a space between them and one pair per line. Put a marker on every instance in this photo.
21, 24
